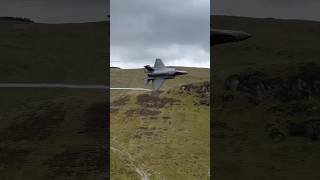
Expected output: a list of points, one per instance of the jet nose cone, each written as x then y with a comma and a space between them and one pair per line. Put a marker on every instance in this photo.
181, 73
184, 72
243, 36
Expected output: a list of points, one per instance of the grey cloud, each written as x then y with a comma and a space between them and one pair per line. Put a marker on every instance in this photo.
142, 30
56, 11
283, 9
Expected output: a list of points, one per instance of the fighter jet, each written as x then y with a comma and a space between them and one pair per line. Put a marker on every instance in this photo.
219, 36
159, 73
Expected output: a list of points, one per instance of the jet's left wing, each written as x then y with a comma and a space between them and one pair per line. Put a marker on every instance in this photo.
157, 83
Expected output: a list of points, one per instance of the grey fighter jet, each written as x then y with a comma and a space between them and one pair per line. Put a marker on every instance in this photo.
218, 36
159, 73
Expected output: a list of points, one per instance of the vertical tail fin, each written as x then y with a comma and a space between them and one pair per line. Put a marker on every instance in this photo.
159, 64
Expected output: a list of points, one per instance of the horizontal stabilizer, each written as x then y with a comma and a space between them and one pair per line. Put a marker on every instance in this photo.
150, 69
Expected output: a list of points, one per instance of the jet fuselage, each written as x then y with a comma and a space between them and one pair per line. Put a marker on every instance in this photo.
168, 73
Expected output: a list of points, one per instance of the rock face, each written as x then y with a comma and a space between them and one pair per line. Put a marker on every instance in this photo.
309, 129
299, 86
291, 100
202, 91
254, 83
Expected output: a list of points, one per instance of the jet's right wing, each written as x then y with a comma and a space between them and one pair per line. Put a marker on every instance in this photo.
157, 83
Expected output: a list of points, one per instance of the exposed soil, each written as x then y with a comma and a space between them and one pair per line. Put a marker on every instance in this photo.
142, 112
121, 101
154, 101
114, 110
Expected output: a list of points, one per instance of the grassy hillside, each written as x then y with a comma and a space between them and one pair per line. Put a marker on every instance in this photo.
163, 135
266, 99
53, 133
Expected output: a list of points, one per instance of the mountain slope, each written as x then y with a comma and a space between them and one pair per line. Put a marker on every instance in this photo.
266, 123
160, 135
53, 133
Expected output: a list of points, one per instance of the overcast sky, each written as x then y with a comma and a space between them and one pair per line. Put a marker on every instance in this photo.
284, 9
56, 11
177, 31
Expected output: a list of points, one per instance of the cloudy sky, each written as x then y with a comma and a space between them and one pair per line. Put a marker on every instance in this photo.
56, 11
175, 31
284, 9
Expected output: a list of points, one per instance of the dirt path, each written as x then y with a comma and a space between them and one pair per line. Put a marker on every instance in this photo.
142, 173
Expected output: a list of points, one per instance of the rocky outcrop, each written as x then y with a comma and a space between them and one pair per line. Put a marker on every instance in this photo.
303, 84
309, 129
290, 99
255, 83
201, 91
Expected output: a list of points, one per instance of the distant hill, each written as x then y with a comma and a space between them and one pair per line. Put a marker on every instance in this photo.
266, 99
16, 19
114, 67
134, 78
57, 53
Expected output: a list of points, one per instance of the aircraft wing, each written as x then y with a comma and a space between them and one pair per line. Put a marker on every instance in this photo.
157, 83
